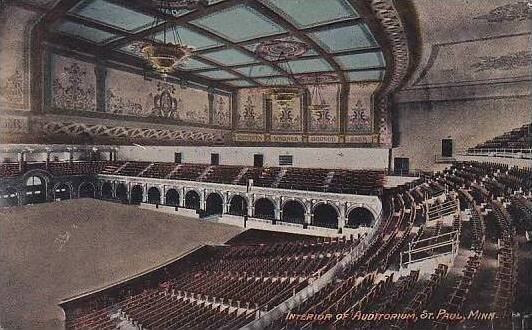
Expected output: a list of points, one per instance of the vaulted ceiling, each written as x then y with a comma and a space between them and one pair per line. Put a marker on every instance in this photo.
332, 38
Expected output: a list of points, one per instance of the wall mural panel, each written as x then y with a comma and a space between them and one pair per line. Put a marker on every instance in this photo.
73, 84
286, 117
360, 108
250, 110
155, 98
222, 111
325, 118
15, 26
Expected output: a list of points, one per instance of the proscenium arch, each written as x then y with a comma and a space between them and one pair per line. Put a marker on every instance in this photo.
107, 190
154, 195
214, 204
360, 216
62, 191
137, 194
86, 189
293, 211
238, 205
325, 215
172, 197
264, 208
121, 192
192, 200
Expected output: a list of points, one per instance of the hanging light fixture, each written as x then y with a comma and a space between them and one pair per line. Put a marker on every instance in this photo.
167, 56
317, 101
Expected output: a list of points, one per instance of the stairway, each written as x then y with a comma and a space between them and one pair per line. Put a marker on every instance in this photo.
279, 177
205, 173
144, 170
240, 175
173, 171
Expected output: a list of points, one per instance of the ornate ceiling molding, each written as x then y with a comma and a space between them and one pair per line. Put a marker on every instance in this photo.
395, 33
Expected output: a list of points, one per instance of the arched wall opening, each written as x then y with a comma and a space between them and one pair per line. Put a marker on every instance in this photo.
121, 192
192, 200
86, 190
360, 216
214, 204
172, 197
154, 195
62, 192
325, 215
137, 194
35, 189
9, 197
264, 209
238, 206
293, 212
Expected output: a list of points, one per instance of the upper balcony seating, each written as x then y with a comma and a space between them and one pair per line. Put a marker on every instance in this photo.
188, 172
261, 176
9, 170
304, 179
222, 174
518, 138
133, 168
159, 170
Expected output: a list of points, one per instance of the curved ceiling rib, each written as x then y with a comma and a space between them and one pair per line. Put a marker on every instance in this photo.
269, 13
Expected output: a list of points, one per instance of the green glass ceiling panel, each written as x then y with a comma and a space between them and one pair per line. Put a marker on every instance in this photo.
258, 71
84, 32
229, 57
188, 37
307, 13
276, 81
193, 64
240, 83
360, 61
238, 23
374, 75
218, 74
306, 65
113, 15
345, 38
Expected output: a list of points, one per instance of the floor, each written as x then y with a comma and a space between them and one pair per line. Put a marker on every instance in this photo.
50, 252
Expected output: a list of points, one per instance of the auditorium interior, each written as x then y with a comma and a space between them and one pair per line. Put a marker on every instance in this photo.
265, 164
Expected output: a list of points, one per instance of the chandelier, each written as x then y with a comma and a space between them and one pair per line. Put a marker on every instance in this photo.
277, 50
167, 54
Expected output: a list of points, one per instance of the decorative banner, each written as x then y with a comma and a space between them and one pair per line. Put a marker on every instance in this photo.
13, 125
250, 109
287, 116
323, 139
244, 137
222, 111
73, 84
360, 108
286, 138
366, 139
323, 111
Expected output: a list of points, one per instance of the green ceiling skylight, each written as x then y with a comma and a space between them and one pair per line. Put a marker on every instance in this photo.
361, 61
240, 83
307, 65
258, 71
189, 38
229, 57
345, 38
307, 13
373, 75
84, 32
218, 74
113, 15
238, 23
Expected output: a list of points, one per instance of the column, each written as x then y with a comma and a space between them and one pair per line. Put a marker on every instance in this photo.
308, 219
341, 218
202, 200
70, 155
47, 159
277, 212
250, 207
211, 106
21, 161
225, 206
100, 71
182, 198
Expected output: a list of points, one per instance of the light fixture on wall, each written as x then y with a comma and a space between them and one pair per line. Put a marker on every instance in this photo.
167, 56
317, 102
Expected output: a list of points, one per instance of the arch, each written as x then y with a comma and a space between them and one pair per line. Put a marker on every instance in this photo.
9, 197
360, 216
107, 190
192, 200
62, 191
238, 206
172, 197
214, 204
121, 192
154, 195
86, 189
294, 212
35, 189
325, 215
264, 208
137, 194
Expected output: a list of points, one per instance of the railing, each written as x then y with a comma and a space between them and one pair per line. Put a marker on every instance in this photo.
525, 153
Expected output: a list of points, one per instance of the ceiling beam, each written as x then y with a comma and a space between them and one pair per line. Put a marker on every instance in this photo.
82, 46
96, 25
58, 11
261, 8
